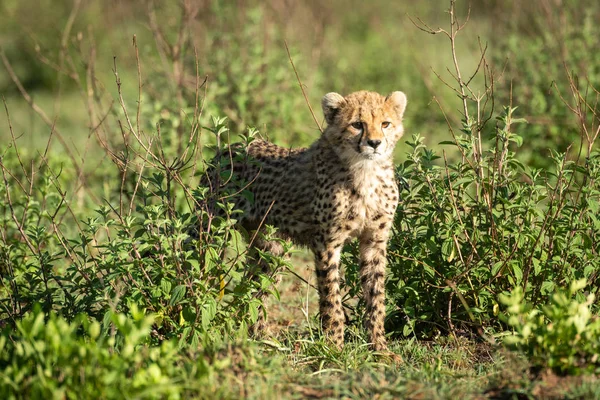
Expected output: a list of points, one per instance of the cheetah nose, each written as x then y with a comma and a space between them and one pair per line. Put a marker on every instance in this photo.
373, 143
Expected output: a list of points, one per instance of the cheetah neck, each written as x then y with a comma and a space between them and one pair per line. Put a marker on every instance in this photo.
365, 174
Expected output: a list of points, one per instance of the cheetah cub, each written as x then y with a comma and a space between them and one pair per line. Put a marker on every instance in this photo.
342, 187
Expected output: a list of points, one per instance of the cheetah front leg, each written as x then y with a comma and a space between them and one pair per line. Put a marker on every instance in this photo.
372, 277
327, 263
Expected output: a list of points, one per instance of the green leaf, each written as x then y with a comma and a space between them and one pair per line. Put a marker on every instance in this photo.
177, 294
518, 272
517, 139
548, 287
165, 285
537, 266
408, 329
253, 310
188, 314
211, 259
496, 267
209, 311
448, 250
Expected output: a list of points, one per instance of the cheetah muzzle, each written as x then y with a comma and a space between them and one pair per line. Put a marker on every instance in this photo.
342, 187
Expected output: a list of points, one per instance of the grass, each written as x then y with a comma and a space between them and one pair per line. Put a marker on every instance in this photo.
295, 362
441, 369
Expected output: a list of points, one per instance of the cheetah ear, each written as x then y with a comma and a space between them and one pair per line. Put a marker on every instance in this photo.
331, 104
398, 101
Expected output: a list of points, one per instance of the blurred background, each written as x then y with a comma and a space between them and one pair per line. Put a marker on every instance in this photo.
232, 54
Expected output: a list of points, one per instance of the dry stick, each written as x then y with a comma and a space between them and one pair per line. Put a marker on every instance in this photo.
87, 94
193, 140
489, 87
92, 97
580, 111
462, 151
198, 108
479, 64
480, 331
300, 277
135, 133
12, 210
139, 74
137, 183
30, 192
137, 121
37, 109
13, 139
14, 144
456, 27
29, 195
577, 93
53, 65
302, 88
123, 180
198, 143
122, 164
63, 196
449, 314
63, 50
429, 85
14, 177
196, 92
117, 159
590, 141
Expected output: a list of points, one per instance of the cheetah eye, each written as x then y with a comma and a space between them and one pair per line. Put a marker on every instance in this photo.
357, 125
385, 124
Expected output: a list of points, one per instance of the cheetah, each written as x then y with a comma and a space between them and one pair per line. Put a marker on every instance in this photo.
342, 187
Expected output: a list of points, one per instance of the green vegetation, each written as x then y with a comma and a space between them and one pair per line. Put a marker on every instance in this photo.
565, 335
116, 281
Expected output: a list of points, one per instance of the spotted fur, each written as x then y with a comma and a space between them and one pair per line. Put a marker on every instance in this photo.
340, 188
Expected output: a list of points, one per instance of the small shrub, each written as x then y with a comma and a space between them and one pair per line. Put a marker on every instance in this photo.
47, 356
563, 335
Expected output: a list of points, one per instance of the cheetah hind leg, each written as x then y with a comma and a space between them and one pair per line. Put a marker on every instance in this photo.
258, 267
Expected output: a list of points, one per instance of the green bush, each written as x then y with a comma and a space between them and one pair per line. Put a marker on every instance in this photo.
563, 335
460, 240
121, 257
49, 357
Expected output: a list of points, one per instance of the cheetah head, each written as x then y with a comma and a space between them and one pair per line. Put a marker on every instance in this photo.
364, 124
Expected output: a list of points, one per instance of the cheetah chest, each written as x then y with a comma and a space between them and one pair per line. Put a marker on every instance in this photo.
374, 197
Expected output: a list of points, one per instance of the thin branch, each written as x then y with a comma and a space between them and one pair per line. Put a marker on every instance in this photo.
38, 110
302, 88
